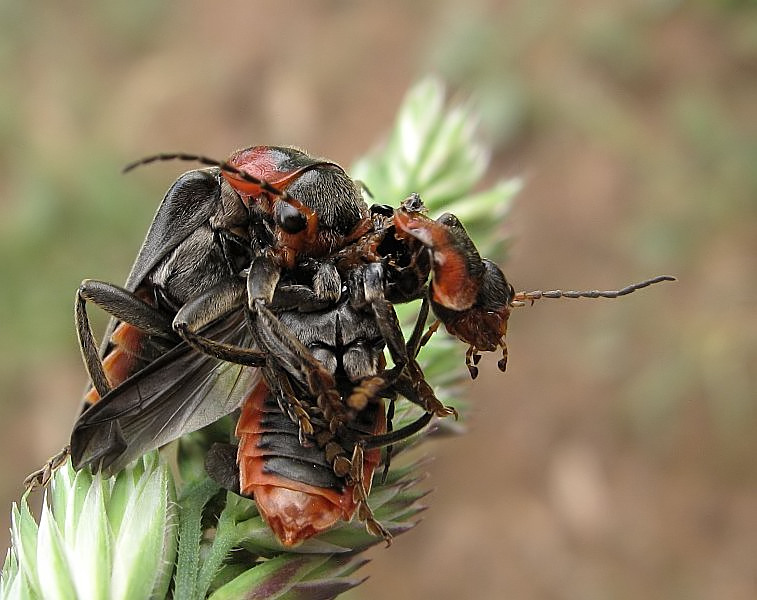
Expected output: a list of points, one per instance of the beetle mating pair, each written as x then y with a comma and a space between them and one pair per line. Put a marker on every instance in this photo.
266, 288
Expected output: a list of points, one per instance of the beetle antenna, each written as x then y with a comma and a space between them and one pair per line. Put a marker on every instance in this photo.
168, 156
226, 167
520, 298
364, 187
208, 162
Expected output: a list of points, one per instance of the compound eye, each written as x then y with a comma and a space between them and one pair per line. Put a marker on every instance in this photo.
289, 218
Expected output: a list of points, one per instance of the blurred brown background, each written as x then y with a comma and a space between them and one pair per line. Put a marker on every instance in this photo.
615, 459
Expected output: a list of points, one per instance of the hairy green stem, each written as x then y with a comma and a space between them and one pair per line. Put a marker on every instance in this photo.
192, 502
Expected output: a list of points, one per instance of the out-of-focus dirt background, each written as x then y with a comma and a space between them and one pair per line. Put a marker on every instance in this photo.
616, 458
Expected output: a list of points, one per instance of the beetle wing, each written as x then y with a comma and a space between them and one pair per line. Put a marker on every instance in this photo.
180, 392
190, 202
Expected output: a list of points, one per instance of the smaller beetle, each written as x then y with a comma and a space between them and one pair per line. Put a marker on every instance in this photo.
208, 228
470, 294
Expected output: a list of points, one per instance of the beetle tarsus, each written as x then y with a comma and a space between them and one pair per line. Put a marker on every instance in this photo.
42, 476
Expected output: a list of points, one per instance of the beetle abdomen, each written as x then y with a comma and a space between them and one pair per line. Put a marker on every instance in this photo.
295, 488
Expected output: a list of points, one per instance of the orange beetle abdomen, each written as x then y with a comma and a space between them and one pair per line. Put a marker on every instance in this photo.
296, 490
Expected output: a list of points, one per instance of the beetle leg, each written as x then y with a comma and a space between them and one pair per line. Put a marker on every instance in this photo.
411, 383
389, 429
413, 386
403, 355
124, 306
470, 360
502, 362
360, 493
293, 408
42, 476
327, 284
416, 339
372, 293
277, 339
295, 296
431, 331
326, 290
208, 307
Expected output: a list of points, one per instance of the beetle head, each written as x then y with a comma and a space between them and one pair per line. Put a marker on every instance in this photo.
311, 204
315, 207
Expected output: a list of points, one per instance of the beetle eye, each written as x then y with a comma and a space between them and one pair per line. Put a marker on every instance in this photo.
289, 218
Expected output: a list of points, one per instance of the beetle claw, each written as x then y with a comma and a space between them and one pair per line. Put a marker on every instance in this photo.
42, 476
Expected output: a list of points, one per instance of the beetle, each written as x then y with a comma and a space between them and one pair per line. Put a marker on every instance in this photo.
209, 226
469, 294
206, 230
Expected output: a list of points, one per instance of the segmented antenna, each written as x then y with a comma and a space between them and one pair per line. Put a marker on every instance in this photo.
521, 298
226, 167
168, 156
